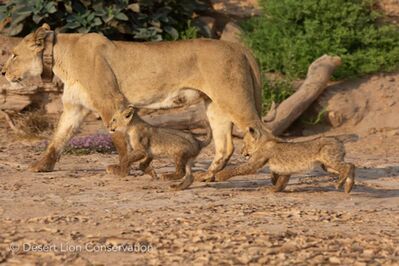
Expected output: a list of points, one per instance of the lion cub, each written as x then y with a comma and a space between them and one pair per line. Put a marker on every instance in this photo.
148, 141
286, 158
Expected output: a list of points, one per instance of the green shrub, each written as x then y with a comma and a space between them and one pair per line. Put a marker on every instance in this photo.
118, 19
291, 34
275, 91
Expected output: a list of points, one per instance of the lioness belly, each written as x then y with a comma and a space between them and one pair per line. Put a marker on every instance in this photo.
173, 99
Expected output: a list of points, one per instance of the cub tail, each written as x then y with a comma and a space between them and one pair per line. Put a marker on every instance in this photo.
347, 138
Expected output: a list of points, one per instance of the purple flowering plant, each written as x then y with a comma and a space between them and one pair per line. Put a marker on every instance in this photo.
101, 143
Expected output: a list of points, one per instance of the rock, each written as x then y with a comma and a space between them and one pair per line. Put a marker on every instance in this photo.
389, 7
368, 252
288, 247
14, 102
232, 33
33, 90
334, 260
55, 105
237, 8
335, 119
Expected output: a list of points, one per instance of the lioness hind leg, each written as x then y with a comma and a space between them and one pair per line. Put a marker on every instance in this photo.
188, 178
221, 131
282, 181
69, 122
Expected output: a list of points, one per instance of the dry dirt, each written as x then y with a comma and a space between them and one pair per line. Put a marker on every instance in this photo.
79, 215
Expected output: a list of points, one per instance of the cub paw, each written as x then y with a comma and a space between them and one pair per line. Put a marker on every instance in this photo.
170, 177
115, 169
349, 185
205, 177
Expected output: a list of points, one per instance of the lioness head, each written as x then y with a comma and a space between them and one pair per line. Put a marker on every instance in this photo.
26, 58
121, 119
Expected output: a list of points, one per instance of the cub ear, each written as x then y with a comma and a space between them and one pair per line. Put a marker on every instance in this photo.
40, 34
254, 132
129, 112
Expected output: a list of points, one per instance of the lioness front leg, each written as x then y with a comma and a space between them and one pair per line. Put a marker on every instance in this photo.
69, 122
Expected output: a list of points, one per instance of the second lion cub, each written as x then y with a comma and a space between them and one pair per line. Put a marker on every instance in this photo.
148, 141
286, 158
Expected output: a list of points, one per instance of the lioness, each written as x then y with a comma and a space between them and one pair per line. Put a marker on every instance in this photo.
150, 141
286, 158
101, 75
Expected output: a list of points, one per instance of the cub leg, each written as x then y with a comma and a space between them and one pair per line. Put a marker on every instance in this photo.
70, 120
146, 167
347, 176
282, 181
133, 156
121, 169
256, 162
274, 178
144, 164
346, 173
188, 178
181, 161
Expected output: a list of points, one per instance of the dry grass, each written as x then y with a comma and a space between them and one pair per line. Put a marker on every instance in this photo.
30, 125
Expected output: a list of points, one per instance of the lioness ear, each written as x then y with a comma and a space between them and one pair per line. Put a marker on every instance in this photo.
254, 132
40, 35
46, 26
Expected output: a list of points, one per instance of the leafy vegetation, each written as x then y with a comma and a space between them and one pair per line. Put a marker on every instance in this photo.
118, 19
275, 91
291, 34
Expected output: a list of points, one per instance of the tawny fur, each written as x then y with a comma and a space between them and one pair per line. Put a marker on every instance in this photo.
100, 75
287, 158
150, 142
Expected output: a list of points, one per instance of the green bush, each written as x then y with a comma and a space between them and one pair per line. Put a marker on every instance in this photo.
291, 34
118, 19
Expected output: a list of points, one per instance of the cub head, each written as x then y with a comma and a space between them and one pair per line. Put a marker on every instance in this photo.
26, 58
121, 119
251, 141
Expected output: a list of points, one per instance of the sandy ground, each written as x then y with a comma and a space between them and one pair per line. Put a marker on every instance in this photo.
80, 215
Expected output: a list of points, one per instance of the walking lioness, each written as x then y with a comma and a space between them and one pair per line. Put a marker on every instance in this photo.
150, 142
101, 75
